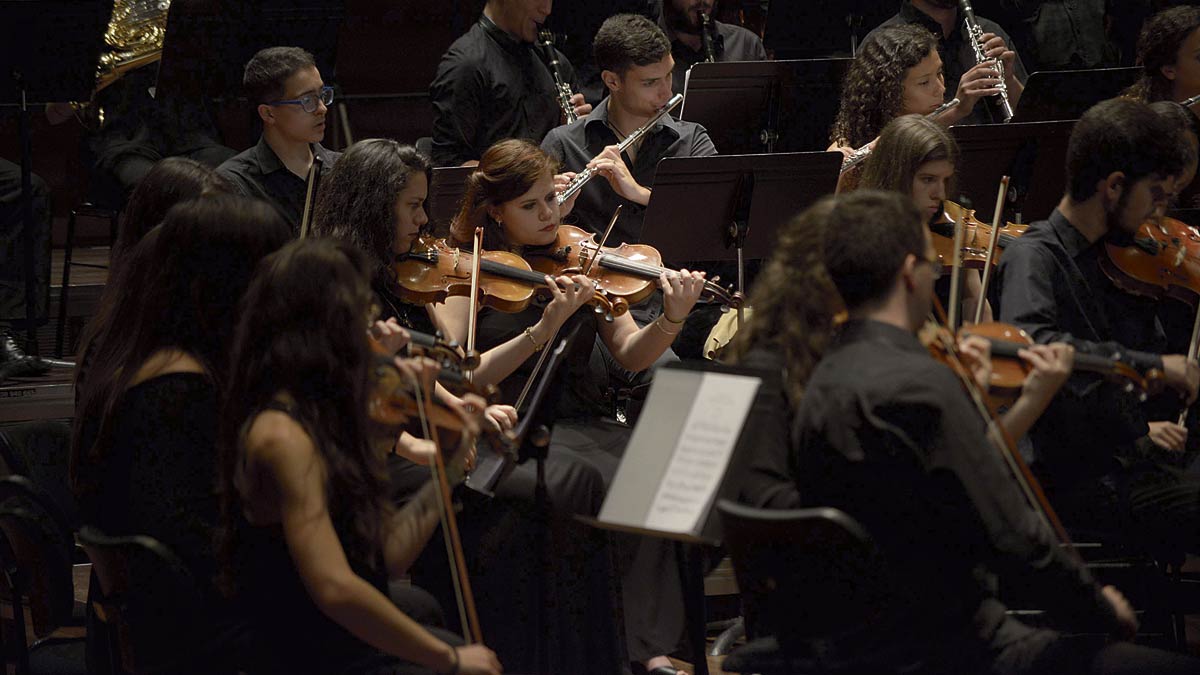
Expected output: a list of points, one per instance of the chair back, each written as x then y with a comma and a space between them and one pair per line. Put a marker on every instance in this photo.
804, 574
41, 451
149, 598
36, 555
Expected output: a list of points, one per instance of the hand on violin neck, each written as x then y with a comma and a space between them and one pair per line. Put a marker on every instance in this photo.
976, 355
390, 335
1168, 435
681, 290
1050, 367
569, 293
1182, 374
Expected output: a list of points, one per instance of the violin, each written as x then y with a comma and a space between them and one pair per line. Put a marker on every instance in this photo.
1162, 260
1009, 370
432, 271
628, 271
976, 235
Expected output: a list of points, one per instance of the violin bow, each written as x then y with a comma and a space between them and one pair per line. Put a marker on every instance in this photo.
1193, 351
467, 613
537, 368
473, 317
314, 176
991, 252
956, 276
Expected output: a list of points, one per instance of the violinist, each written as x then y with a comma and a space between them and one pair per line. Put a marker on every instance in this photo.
887, 434
635, 62
374, 200
309, 536
919, 157
1122, 164
512, 196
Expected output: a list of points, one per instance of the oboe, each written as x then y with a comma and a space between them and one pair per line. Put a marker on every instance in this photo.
562, 88
862, 153
975, 35
584, 176
706, 38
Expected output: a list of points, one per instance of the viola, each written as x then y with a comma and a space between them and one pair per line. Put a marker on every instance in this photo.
976, 235
1009, 370
627, 272
433, 271
1162, 260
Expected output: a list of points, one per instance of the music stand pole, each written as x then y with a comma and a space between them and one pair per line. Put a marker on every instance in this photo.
27, 251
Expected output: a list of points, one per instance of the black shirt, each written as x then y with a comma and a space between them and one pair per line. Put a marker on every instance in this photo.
759, 466
577, 144
1050, 283
489, 87
258, 172
886, 434
730, 43
958, 55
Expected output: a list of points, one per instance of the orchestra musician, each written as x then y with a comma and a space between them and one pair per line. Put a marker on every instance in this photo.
691, 38
886, 433
919, 157
1123, 160
14, 362
495, 83
944, 20
286, 90
309, 536
1166, 52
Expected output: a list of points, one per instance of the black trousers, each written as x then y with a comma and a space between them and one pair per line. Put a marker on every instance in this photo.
13, 261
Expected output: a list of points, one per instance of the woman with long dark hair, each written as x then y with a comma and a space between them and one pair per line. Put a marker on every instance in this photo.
1166, 52
309, 532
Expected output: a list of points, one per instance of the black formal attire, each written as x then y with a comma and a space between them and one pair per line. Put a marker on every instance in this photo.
730, 43
1049, 283
958, 56
140, 129
258, 172
491, 86
886, 434
758, 470
1055, 34
578, 143
13, 261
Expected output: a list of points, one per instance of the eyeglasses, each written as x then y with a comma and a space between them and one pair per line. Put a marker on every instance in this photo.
308, 102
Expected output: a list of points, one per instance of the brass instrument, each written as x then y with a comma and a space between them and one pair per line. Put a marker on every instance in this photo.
134, 39
862, 153
706, 38
586, 175
975, 35
562, 89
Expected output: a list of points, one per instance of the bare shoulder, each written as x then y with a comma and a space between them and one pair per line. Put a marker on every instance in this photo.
276, 440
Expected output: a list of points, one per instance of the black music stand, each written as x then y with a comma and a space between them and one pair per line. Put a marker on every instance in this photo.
35, 77
1065, 94
446, 190
765, 106
806, 30
728, 207
1032, 153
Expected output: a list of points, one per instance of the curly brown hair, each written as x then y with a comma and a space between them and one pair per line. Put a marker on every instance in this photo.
506, 171
873, 90
1158, 46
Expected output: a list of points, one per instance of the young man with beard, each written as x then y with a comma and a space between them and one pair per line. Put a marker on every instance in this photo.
944, 20
680, 21
292, 101
495, 83
1091, 448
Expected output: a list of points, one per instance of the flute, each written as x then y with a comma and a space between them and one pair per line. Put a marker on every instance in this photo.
586, 175
862, 153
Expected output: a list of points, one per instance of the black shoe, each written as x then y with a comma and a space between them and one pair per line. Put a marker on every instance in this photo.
16, 363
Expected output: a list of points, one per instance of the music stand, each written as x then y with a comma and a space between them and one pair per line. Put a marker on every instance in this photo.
799, 30
765, 106
1032, 153
446, 190
35, 77
1065, 94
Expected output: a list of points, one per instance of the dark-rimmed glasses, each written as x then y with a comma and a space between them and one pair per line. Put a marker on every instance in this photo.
308, 102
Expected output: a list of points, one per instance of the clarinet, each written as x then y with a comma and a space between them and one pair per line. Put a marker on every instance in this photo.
862, 153
562, 88
584, 176
975, 35
706, 38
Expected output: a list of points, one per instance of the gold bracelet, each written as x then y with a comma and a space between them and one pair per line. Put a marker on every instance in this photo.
658, 325
537, 346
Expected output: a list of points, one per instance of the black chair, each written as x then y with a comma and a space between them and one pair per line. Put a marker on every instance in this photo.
815, 593
154, 607
41, 452
85, 210
36, 561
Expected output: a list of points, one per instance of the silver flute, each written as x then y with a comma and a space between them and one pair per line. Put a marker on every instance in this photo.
706, 38
862, 153
562, 88
975, 35
584, 176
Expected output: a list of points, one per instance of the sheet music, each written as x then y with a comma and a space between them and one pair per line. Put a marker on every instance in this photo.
701, 454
